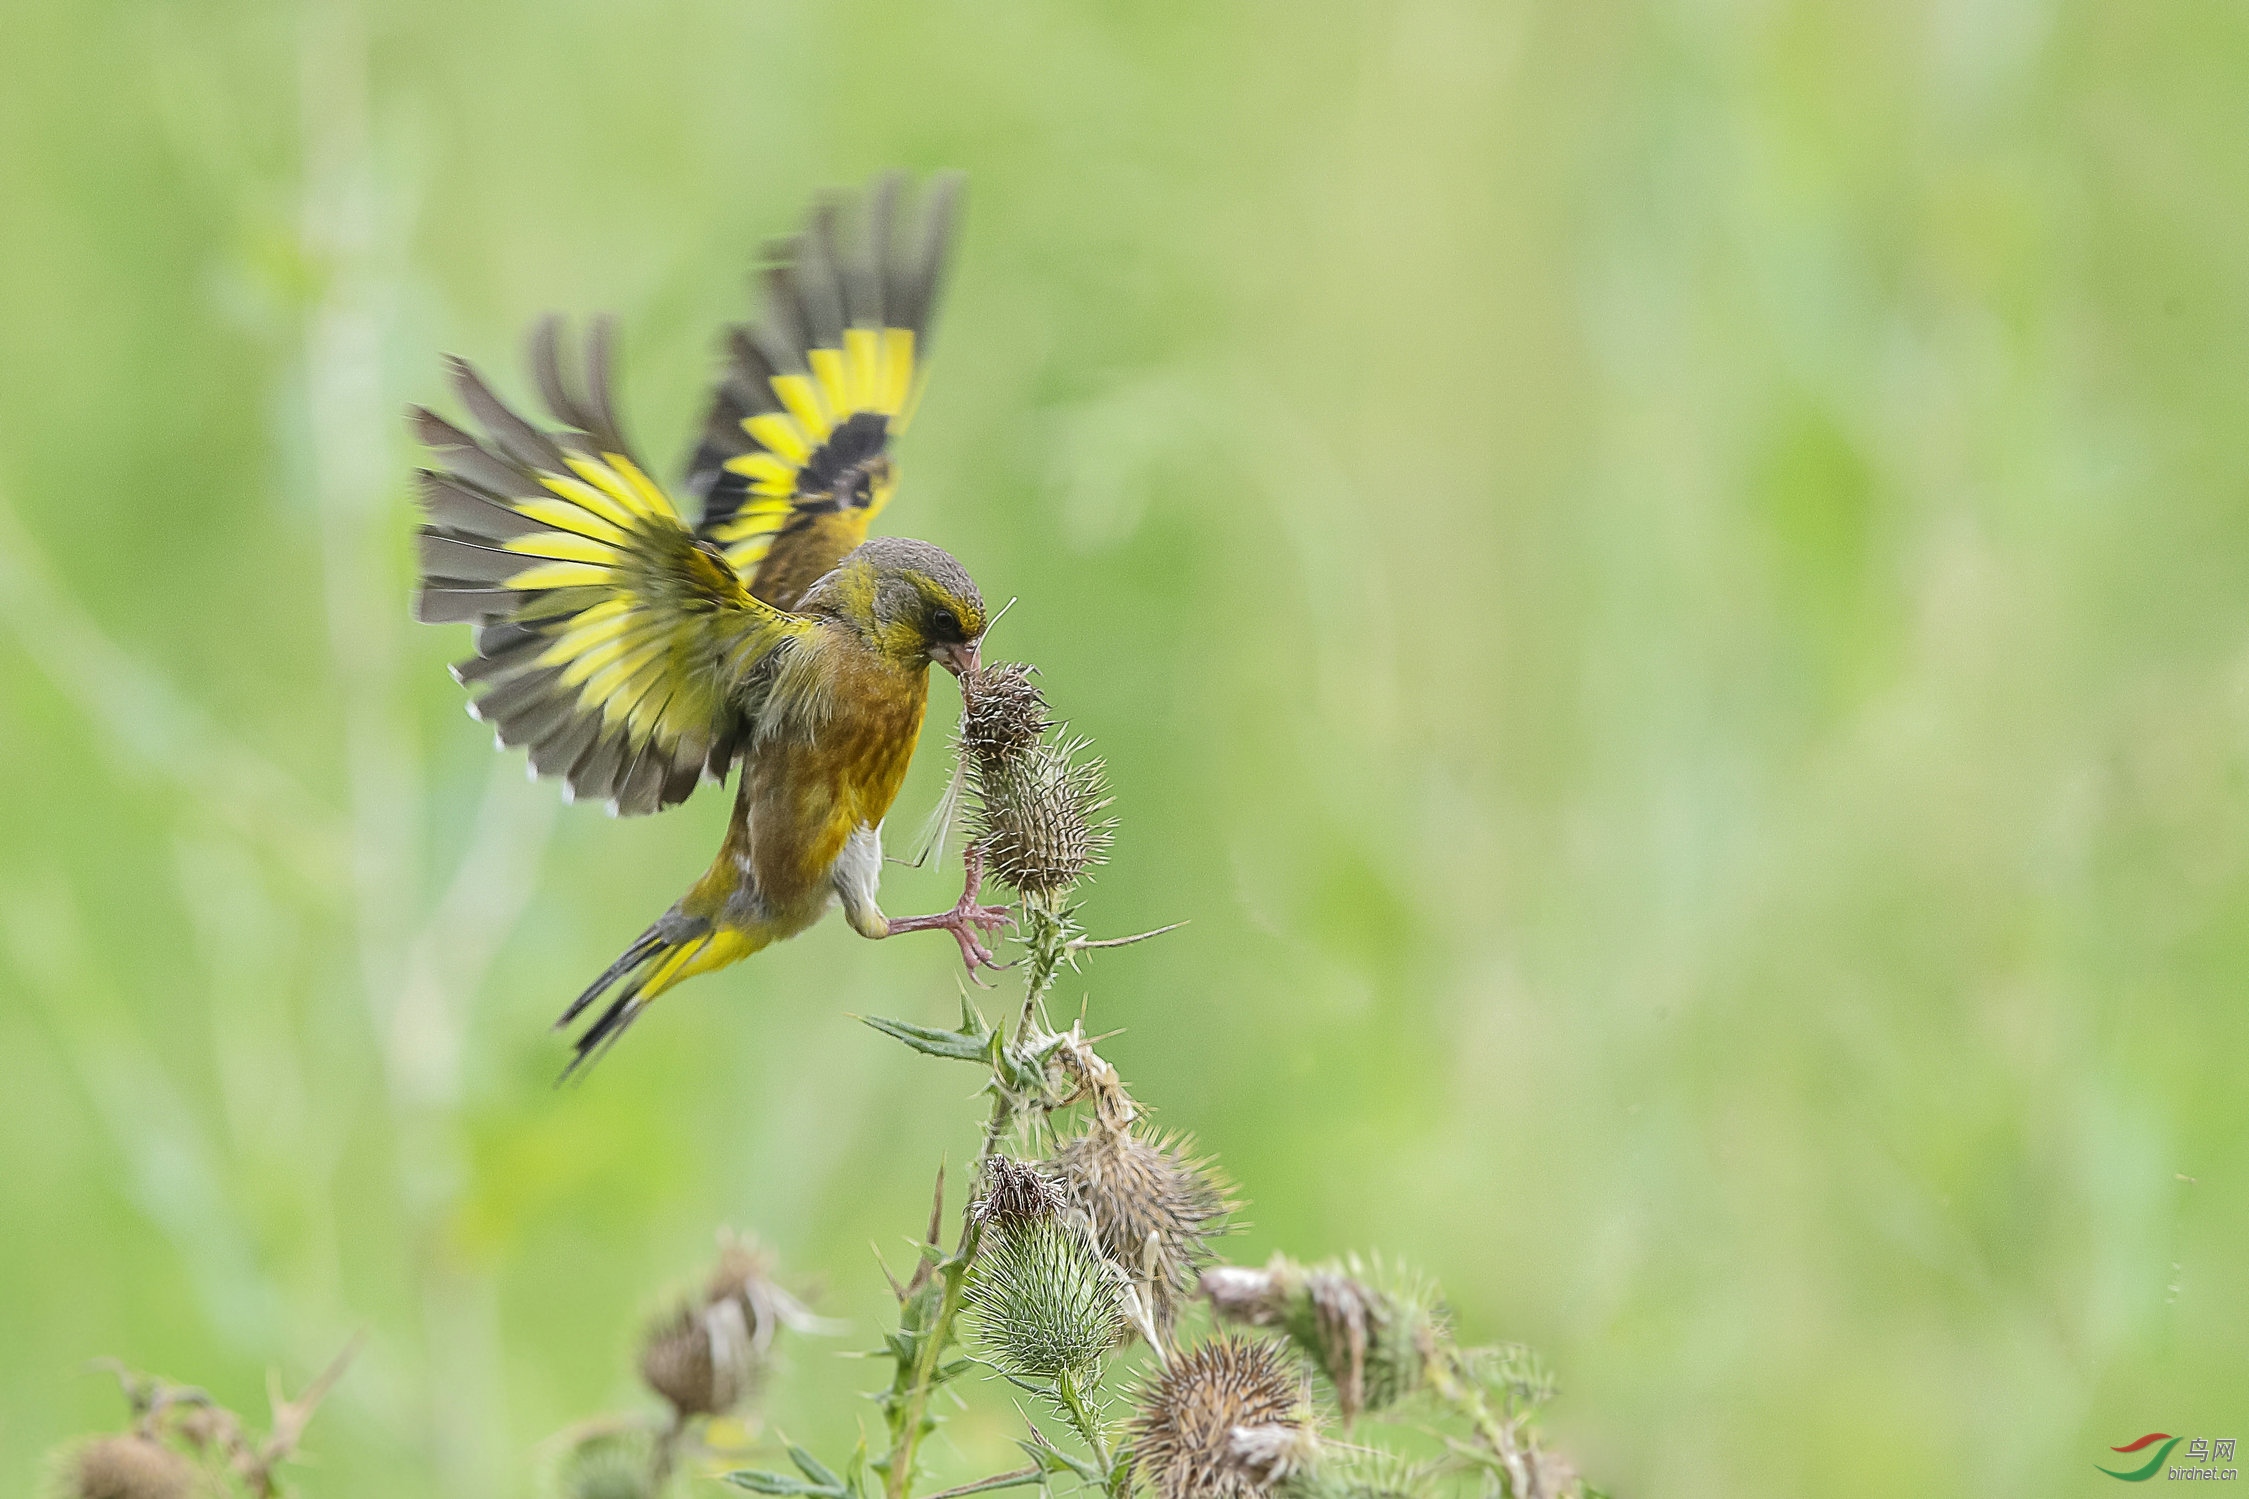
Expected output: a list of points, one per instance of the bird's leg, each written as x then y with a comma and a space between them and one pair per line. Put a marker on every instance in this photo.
966, 921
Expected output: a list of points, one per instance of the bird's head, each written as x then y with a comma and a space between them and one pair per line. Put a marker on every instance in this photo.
909, 600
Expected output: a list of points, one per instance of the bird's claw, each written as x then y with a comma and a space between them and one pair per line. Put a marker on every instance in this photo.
967, 921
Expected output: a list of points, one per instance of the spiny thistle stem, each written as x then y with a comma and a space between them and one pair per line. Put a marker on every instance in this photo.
911, 1390
1047, 933
664, 1453
1085, 1424
909, 1419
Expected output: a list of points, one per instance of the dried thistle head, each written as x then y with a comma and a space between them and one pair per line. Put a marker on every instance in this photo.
608, 1465
1042, 1302
1093, 1079
126, 1467
1003, 713
1015, 1194
1372, 1332
707, 1356
1153, 1203
701, 1359
141, 1464
1039, 798
1227, 1419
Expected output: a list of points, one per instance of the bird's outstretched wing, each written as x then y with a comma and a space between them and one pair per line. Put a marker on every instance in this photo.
795, 456
614, 643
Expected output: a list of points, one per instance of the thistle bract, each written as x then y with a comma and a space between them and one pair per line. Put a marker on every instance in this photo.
1042, 1302
1363, 1473
613, 1465
1039, 798
1371, 1333
701, 1359
1226, 1419
1154, 1206
127, 1467
1015, 1193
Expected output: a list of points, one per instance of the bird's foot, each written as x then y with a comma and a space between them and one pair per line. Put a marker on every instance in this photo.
967, 921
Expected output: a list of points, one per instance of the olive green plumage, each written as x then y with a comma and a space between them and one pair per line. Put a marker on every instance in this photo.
634, 655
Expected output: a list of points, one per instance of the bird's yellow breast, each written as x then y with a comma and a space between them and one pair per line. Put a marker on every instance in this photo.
806, 795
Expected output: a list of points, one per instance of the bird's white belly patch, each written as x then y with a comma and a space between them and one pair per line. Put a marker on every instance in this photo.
857, 874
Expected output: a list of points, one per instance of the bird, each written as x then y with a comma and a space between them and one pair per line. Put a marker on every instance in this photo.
636, 656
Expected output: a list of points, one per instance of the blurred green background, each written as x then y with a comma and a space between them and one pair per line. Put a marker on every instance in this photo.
1667, 585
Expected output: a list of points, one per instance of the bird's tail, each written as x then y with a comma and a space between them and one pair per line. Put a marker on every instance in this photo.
671, 950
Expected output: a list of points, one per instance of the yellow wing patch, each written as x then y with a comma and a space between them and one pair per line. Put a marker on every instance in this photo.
801, 426
612, 642
871, 376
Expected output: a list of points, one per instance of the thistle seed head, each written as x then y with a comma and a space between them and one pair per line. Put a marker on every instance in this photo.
1003, 713
612, 1465
1372, 1333
1039, 798
1153, 1204
701, 1359
1239, 1294
1015, 1194
1042, 1302
127, 1467
1038, 818
1225, 1420
707, 1356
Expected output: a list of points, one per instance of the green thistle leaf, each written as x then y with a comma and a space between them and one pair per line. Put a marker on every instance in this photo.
971, 1043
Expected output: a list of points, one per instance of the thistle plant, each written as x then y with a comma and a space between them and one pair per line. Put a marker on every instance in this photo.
706, 1359
1078, 1280
182, 1444
1080, 1272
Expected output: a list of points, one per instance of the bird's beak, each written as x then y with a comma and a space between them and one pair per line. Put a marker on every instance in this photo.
960, 660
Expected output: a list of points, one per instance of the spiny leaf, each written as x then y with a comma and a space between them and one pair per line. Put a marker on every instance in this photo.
759, 1482
1051, 1459
1014, 1480
972, 1043
812, 1468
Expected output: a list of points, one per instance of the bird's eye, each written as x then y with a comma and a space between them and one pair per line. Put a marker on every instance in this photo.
945, 624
